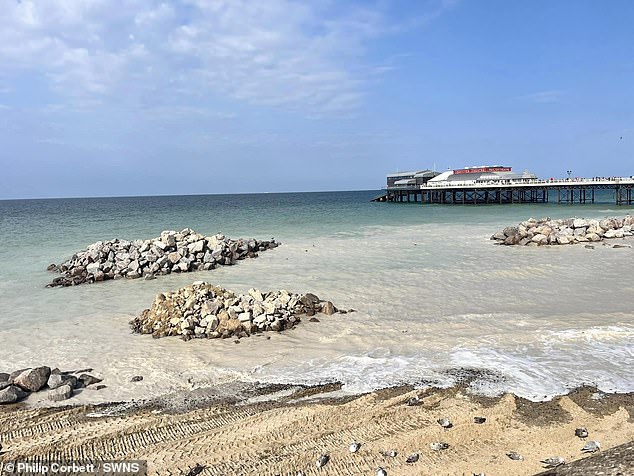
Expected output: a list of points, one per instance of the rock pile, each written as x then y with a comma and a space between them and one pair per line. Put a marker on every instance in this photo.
564, 232
172, 252
204, 310
19, 384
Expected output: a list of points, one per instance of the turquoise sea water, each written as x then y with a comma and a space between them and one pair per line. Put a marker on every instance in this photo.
433, 294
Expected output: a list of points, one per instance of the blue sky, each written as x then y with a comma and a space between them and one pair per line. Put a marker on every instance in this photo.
144, 97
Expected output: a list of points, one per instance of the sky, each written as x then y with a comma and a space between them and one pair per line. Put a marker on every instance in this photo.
151, 97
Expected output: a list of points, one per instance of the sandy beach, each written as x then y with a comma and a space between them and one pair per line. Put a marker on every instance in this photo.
283, 430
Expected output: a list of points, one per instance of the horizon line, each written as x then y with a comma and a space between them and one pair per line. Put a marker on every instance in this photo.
180, 195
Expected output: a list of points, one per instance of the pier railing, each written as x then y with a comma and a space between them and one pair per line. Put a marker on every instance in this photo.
568, 190
599, 181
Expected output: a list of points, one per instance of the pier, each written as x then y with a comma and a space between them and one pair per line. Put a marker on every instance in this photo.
580, 191
499, 185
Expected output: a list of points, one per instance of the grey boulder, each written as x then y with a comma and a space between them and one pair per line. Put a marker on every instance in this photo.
57, 379
33, 379
329, 308
12, 394
14, 374
61, 393
88, 379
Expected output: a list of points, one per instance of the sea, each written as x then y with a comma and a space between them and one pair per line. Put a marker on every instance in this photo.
437, 302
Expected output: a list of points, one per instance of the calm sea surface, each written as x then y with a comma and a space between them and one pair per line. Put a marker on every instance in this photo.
433, 295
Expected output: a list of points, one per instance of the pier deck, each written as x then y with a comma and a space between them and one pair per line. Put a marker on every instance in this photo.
579, 191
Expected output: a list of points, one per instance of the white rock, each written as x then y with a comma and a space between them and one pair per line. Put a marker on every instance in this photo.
607, 224
174, 257
259, 319
256, 294
92, 268
212, 323
268, 307
169, 238
160, 245
579, 223
197, 246
244, 316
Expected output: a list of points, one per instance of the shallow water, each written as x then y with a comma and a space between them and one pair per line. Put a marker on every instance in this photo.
432, 292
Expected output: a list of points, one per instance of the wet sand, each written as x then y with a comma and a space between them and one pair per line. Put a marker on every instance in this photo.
617, 461
284, 429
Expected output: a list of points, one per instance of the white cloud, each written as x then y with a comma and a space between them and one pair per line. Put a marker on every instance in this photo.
300, 55
543, 97
167, 113
51, 141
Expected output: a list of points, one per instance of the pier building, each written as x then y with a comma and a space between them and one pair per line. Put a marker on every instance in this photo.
491, 184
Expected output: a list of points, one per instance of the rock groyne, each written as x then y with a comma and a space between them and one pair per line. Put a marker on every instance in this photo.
172, 252
204, 310
20, 384
534, 232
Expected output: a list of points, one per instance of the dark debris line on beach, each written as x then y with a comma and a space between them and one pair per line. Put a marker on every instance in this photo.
617, 461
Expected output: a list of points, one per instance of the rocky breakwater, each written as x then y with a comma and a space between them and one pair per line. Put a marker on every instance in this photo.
204, 310
61, 385
172, 252
565, 232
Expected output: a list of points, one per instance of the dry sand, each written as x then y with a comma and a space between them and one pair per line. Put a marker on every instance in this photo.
287, 434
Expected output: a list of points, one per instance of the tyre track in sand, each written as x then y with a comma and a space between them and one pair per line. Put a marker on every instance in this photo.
283, 437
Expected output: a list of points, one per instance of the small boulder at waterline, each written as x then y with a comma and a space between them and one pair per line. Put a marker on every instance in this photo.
61, 393
33, 380
12, 394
